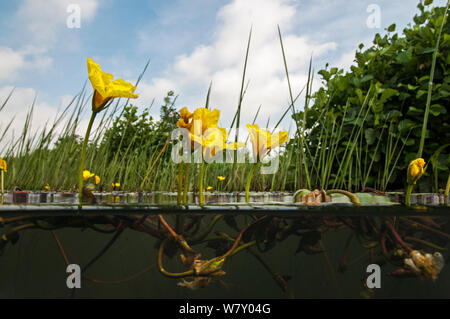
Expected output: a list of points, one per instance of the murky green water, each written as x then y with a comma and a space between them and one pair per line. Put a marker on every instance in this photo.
294, 251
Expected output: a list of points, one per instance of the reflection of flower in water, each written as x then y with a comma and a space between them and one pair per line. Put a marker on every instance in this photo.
426, 265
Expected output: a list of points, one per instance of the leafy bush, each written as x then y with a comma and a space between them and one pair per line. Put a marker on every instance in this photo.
135, 134
377, 109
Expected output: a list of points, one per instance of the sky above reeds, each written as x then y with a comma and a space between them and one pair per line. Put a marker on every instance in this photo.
189, 44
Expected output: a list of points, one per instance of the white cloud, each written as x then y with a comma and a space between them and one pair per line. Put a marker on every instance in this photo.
30, 57
222, 63
10, 62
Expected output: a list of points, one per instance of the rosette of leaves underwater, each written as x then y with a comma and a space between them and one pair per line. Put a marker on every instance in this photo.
105, 90
262, 142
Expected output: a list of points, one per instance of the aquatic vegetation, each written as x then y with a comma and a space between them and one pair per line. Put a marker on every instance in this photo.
363, 127
406, 246
87, 175
262, 143
105, 91
415, 171
115, 186
426, 265
3, 169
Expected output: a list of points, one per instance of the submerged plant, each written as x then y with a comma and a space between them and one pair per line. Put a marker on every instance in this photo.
425, 265
105, 90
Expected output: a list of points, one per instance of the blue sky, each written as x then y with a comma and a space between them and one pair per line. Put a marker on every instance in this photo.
189, 43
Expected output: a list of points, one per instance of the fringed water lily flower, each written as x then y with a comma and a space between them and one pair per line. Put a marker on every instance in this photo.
221, 178
213, 141
105, 88
185, 119
415, 170
3, 165
198, 123
87, 175
204, 133
263, 141
97, 179
2, 171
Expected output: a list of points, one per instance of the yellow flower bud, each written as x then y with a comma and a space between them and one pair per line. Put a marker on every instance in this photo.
415, 170
3, 165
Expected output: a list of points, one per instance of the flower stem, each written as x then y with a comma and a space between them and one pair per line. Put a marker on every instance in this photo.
249, 180
3, 180
200, 192
180, 182
186, 182
83, 155
408, 194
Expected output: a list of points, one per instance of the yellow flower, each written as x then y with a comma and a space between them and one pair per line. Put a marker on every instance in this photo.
115, 184
213, 141
209, 188
263, 141
87, 175
105, 89
415, 170
221, 178
3, 165
97, 180
207, 118
46, 187
186, 116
